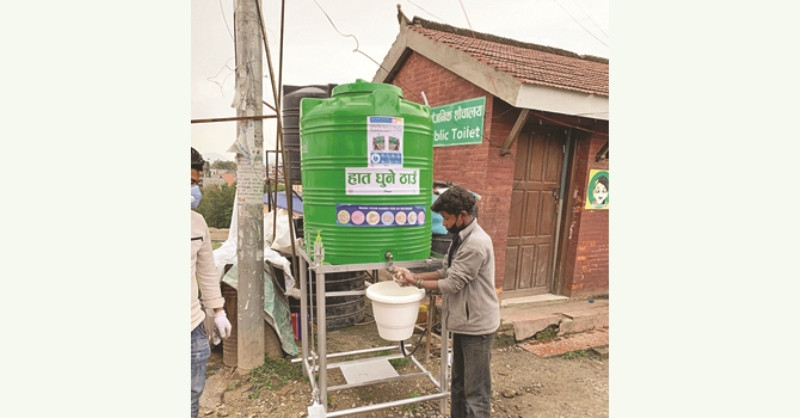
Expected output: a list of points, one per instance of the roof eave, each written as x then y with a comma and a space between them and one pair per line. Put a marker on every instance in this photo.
562, 101
394, 58
500, 84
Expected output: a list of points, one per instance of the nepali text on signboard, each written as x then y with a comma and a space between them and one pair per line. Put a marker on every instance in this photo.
459, 123
381, 181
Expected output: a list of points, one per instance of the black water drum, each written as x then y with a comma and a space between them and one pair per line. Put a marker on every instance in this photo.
340, 311
291, 122
440, 244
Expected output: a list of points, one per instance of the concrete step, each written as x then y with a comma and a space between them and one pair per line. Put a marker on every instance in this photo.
561, 316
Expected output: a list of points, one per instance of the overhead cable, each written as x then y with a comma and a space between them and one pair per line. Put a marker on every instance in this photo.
579, 23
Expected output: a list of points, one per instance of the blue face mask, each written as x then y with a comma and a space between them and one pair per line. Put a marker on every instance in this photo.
196, 196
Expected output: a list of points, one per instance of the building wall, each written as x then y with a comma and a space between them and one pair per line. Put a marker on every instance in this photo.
586, 259
476, 167
483, 170
213, 181
500, 180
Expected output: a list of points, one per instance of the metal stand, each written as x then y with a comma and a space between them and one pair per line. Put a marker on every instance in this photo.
316, 366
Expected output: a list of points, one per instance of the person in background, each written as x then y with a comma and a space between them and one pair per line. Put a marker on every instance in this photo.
205, 287
469, 302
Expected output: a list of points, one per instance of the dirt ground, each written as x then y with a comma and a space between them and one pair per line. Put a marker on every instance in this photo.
523, 385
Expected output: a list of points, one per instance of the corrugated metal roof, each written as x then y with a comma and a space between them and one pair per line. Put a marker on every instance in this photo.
528, 63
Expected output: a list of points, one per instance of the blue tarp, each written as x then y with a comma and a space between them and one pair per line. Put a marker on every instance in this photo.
297, 204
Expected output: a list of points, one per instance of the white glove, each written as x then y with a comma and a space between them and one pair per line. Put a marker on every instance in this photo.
222, 325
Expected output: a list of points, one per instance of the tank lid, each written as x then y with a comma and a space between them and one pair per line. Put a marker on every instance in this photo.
361, 86
292, 100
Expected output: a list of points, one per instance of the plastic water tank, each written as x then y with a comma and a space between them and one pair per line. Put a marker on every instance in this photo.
367, 165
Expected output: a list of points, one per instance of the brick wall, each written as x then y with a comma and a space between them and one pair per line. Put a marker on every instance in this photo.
586, 267
500, 180
479, 168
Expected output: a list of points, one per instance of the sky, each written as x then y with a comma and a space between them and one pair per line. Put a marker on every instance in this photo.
317, 51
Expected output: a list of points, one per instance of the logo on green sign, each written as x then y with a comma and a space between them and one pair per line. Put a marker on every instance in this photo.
459, 123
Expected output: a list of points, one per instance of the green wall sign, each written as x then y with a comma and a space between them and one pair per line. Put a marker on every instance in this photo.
459, 123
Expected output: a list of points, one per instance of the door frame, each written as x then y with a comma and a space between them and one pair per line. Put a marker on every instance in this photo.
563, 217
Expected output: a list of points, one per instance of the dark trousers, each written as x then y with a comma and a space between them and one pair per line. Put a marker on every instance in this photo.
471, 385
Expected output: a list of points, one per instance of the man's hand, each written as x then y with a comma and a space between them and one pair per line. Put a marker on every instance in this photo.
403, 276
222, 325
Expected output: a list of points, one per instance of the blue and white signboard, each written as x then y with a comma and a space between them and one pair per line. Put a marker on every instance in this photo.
384, 141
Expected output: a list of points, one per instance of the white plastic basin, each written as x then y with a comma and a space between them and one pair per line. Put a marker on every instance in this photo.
395, 309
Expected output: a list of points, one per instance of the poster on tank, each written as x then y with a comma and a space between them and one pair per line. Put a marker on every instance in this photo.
380, 215
384, 141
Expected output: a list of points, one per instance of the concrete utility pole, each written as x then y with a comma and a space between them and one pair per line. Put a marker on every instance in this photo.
250, 187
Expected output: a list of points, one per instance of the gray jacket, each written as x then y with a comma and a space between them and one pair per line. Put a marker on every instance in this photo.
469, 301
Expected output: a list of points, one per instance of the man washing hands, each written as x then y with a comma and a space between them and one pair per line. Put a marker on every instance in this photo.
469, 301
404, 277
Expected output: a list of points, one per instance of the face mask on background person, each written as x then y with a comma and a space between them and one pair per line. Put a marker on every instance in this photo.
454, 228
196, 196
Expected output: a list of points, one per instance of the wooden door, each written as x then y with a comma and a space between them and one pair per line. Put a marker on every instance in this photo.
532, 219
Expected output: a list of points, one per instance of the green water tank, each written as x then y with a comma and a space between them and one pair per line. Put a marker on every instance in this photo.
367, 174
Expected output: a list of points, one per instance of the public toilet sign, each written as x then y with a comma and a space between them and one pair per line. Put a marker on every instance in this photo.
459, 123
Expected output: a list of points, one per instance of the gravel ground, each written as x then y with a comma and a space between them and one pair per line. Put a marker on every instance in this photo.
523, 385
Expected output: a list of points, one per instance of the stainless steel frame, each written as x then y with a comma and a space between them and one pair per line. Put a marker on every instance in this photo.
318, 373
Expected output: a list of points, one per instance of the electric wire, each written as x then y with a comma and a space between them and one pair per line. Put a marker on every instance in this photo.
221, 83
590, 18
496, 93
225, 65
488, 140
466, 16
421, 8
578, 23
463, 9
224, 19
542, 117
346, 35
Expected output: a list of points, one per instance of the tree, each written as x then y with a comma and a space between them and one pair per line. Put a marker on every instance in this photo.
269, 186
224, 165
217, 205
